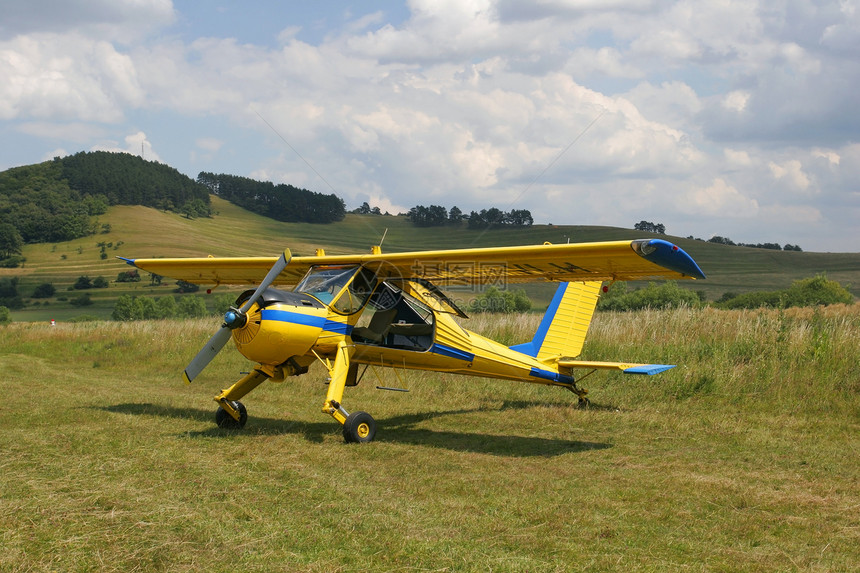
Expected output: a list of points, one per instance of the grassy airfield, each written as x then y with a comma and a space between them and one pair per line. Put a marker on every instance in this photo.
744, 458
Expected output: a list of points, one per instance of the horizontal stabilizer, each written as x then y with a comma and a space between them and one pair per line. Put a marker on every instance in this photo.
626, 367
649, 369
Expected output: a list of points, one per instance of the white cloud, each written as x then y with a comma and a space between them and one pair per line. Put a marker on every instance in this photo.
791, 171
720, 199
135, 144
66, 77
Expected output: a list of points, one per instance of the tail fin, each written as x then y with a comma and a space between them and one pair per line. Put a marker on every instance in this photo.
562, 331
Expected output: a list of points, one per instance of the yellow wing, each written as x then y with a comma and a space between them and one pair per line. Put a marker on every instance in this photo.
641, 259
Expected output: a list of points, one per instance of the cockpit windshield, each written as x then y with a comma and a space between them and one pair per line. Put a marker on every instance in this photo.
324, 282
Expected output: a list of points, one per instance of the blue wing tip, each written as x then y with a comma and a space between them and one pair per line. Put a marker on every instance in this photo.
649, 369
668, 255
128, 261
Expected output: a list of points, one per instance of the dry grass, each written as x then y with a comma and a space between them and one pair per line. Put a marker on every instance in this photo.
741, 459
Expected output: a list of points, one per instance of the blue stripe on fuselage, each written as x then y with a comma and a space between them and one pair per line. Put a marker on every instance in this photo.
306, 320
452, 352
550, 375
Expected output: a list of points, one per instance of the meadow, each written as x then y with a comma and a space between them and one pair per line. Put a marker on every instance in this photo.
743, 458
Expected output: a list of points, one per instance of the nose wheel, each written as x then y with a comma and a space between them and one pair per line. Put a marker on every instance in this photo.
228, 422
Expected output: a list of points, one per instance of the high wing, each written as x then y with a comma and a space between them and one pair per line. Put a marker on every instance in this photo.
641, 259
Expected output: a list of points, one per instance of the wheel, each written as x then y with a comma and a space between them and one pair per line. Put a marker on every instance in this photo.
584, 402
360, 427
228, 422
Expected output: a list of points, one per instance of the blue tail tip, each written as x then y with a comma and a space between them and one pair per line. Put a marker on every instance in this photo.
649, 369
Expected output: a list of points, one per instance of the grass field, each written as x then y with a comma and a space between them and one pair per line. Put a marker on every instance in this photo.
744, 458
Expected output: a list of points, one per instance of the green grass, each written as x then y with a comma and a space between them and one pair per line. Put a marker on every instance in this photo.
744, 458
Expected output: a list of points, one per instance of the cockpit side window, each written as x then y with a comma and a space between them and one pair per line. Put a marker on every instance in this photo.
356, 294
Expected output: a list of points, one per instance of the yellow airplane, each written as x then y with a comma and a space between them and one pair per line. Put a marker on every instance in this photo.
386, 310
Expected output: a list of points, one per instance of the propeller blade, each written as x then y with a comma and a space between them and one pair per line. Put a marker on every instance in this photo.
206, 354
220, 338
280, 265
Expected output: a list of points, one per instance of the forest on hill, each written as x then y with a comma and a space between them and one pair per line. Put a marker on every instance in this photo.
280, 202
55, 201
59, 200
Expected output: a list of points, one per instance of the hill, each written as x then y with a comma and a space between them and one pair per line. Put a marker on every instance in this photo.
137, 231
56, 200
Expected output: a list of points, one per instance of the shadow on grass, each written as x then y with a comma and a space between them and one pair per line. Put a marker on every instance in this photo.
395, 429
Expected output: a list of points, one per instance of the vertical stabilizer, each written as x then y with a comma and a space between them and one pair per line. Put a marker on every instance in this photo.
562, 331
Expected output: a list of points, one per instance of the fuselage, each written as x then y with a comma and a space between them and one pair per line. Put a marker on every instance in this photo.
395, 325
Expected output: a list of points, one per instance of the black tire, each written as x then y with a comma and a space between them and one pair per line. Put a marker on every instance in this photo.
359, 428
228, 422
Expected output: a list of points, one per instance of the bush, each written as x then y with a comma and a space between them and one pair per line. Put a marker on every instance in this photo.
817, 290
44, 290
665, 295
128, 276
4, 315
126, 309
12, 262
191, 307
83, 283
83, 300
166, 307
496, 300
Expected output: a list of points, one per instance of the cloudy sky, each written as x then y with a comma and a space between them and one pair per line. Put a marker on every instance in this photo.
736, 118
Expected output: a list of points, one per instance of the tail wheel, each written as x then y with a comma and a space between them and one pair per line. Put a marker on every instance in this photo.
228, 422
360, 427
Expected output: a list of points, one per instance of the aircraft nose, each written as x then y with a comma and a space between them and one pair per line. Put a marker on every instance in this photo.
233, 319
274, 334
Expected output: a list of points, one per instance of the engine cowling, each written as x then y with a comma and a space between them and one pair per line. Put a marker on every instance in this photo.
280, 325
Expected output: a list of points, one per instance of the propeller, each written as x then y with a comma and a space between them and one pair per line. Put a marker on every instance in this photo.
234, 318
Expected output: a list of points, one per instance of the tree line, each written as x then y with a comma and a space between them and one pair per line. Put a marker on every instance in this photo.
280, 202
660, 229
437, 216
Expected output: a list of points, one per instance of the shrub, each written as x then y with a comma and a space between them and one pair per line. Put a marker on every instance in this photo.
83, 300
665, 295
44, 290
126, 309
128, 276
82, 283
817, 290
4, 315
13, 262
191, 307
496, 300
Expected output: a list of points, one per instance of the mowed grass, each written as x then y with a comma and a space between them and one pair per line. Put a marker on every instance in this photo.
744, 458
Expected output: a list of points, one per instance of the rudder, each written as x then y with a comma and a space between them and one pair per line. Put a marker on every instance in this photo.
563, 328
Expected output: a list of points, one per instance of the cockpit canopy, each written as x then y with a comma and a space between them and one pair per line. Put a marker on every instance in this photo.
344, 287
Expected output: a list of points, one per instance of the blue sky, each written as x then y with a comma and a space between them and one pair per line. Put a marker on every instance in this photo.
730, 118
